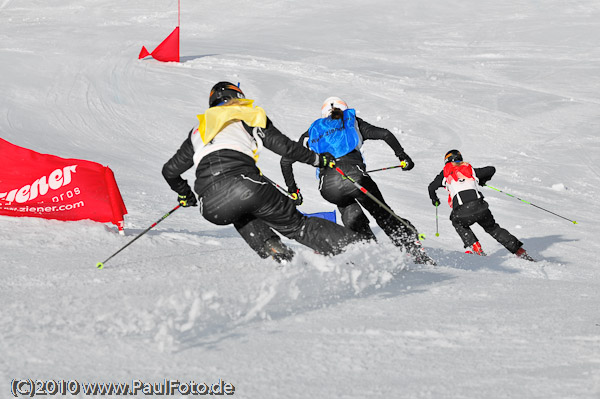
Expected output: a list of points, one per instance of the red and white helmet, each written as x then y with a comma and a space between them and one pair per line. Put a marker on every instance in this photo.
330, 103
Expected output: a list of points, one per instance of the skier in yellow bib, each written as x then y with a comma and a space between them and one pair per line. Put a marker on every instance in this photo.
223, 151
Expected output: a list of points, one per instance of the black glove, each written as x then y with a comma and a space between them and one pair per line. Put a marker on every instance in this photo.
405, 161
325, 160
187, 200
435, 202
295, 195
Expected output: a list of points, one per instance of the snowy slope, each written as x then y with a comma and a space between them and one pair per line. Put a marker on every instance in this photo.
511, 84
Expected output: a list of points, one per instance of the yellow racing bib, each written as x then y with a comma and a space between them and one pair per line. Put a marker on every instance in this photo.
217, 118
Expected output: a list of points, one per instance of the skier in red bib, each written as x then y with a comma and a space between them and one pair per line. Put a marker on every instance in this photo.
468, 206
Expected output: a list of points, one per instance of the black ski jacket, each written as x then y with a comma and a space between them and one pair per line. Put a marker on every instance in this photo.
366, 130
225, 163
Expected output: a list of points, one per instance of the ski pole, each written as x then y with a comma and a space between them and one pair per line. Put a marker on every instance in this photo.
100, 265
437, 233
282, 189
378, 202
529, 203
402, 165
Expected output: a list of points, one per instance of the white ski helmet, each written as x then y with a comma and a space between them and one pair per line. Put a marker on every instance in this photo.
330, 103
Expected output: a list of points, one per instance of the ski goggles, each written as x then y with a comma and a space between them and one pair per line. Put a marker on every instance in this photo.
454, 157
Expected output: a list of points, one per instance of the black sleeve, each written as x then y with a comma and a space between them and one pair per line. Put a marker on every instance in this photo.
286, 165
485, 174
282, 145
179, 163
370, 132
434, 185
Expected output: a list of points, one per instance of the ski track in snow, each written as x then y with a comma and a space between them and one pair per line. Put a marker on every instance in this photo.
194, 315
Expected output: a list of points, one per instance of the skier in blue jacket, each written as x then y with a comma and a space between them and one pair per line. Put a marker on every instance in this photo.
340, 132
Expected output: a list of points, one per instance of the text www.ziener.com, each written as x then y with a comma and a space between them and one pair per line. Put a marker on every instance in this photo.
31, 388
44, 209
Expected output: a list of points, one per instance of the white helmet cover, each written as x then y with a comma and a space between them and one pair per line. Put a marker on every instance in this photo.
330, 103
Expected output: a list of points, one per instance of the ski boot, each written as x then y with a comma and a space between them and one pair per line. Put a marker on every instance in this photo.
280, 252
521, 253
424, 259
420, 257
476, 249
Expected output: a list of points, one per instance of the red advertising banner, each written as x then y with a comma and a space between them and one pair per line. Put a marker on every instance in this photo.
50, 187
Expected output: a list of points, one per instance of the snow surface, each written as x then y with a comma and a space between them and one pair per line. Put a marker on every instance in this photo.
512, 84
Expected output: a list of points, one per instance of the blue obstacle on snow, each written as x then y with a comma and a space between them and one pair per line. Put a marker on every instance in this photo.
323, 215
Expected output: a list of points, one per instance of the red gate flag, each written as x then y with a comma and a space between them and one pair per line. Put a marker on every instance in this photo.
167, 51
50, 187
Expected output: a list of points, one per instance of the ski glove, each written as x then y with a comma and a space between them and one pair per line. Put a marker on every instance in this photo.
324, 160
405, 161
187, 200
295, 195
435, 202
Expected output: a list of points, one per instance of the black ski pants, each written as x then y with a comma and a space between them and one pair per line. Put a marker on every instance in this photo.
349, 200
255, 206
478, 212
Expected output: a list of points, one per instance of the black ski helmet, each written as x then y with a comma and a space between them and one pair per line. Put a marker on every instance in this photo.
223, 91
453, 156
